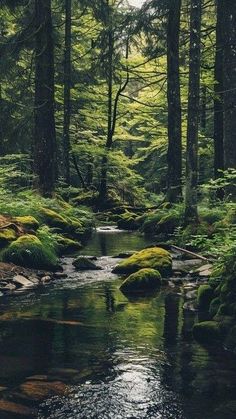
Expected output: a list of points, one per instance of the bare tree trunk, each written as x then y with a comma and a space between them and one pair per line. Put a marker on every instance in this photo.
45, 134
191, 198
218, 101
229, 12
67, 92
174, 154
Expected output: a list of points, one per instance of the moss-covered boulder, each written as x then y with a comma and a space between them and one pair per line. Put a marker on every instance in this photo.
81, 263
207, 332
153, 257
204, 296
67, 245
28, 222
53, 219
145, 280
7, 235
214, 306
128, 221
29, 251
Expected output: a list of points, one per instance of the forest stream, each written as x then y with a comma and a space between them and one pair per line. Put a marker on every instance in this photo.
106, 355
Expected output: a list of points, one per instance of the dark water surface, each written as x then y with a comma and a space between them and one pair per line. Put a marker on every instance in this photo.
135, 359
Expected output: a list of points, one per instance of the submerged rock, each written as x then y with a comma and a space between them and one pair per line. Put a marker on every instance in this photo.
39, 390
12, 408
154, 257
145, 280
82, 264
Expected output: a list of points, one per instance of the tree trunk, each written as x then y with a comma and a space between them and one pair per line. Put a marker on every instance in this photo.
191, 211
174, 154
67, 92
45, 134
203, 107
218, 101
229, 12
103, 184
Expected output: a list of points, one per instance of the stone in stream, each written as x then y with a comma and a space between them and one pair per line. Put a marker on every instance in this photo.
40, 390
22, 281
11, 409
145, 280
82, 264
60, 275
46, 279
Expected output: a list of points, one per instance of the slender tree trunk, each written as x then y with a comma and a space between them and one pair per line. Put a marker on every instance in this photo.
45, 134
218, 101
103, 184
229, 12
203, 107
174, 154
191, 199
67, 92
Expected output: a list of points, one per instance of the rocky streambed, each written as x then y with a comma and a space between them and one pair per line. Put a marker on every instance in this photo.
76, 346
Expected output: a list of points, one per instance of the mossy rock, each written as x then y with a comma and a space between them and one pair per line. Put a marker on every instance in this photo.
81, 263
53, 219
153, 257
6, 236
29, 251
68, 245
207, 332
214, 306
145, 280
204, 296
127, 221
168, 224
28, 222
150, 222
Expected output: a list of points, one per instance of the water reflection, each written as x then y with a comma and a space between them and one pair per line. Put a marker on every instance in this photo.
131, 359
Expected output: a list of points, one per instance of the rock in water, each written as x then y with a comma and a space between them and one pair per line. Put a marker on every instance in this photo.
82, 264
154, 258
145, 280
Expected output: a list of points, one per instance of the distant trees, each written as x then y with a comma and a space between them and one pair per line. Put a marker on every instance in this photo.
45, 133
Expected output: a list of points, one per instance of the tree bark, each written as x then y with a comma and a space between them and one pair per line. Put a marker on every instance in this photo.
45, 134
174, 154
67, 92
191, 199
218, 100
229, 13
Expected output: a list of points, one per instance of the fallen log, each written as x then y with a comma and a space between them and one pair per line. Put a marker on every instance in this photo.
188, 252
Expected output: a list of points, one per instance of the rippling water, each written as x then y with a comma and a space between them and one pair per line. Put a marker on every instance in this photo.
129, 358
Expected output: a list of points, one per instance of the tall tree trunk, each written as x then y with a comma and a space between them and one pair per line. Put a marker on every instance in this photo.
103, 184
45, 134
218, 101
67, 92
174, 154
229, 12
191, 211
203, 107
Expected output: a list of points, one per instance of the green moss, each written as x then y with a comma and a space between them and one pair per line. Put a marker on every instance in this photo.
29, 251
154, 257
204, 296
150, 222
143, 280
28, 221
224, 310
128, 221
214, 306
168, 224
53, 219
68, 245
207, 332
6, 236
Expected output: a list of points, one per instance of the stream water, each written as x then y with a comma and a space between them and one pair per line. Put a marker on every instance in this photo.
123, 358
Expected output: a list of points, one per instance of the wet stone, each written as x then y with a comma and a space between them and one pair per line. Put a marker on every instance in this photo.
12, 408
22, 281
39, 390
